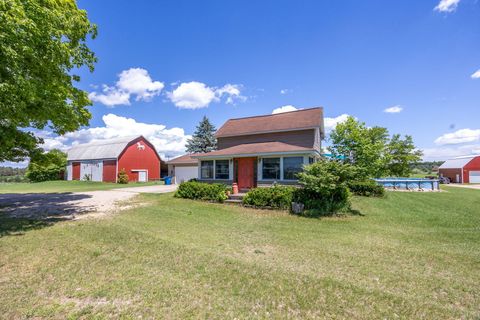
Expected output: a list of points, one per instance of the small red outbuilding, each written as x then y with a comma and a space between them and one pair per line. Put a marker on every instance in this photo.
102, 160
462, 169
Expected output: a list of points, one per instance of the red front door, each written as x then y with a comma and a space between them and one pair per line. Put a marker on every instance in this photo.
246, 172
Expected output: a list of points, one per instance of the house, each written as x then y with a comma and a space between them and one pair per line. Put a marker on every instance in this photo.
183, 168
461, 169
102, 160
261, 150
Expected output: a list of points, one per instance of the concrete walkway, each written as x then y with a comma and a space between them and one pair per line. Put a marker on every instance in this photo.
73, 205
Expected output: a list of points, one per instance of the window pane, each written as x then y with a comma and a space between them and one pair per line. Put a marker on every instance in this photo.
206, 169
222, 169
271, 169
292, 166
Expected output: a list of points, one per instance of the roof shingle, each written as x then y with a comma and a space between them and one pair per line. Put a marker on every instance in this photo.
263, 148
294, 120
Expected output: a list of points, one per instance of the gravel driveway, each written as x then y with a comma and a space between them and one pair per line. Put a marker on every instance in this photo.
72, 205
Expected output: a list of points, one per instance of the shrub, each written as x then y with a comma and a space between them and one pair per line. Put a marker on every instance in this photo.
36, 173
325, 188
368, 188
216, 192
122, 177
279, 197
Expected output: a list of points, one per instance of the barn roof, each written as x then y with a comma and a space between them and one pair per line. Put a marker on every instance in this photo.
287, 121
101, 149
457, 163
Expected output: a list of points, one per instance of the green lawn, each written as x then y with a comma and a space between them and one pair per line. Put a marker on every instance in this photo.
64, 186
410, 256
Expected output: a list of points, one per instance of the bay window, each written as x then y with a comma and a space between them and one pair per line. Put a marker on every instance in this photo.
206, 169
291, 167
222, 169
271, 168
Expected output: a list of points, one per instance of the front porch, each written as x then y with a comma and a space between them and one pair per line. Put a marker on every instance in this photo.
253, 171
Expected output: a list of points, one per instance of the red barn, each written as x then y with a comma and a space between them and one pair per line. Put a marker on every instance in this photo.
461, 169
102, 160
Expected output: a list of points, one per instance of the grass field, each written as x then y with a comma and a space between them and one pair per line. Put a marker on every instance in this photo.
411, 256
64, 186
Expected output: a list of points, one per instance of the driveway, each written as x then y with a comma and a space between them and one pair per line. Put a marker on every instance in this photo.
73, 205
468, 186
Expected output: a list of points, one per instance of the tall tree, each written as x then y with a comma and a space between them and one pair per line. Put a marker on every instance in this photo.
41, 43
360, 145
203, 139
402, 154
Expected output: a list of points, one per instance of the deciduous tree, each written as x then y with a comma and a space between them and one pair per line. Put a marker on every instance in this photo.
43, 43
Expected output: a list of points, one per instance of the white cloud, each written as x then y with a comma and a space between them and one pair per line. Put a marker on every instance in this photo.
331, 123
168, 142
476, 74
286, 108
285, 91
195, 95
459, 137
449, 152
447, 5
132, 82
394, 109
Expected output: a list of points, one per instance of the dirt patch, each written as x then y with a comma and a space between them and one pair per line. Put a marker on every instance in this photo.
64, 205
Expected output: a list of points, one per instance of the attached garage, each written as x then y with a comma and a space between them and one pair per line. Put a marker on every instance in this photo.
183, 168
103, 160
461, 169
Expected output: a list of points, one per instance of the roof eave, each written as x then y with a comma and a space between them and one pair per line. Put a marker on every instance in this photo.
243, 155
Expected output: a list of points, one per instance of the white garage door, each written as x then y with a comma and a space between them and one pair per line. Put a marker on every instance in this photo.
474, 177
185, 173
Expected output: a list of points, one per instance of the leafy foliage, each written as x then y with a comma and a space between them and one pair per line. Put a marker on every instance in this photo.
367, 188
122, 177
216, 192
372, 150
42, 41
325, 189
279, 197
46, 166
203, 139
401, 154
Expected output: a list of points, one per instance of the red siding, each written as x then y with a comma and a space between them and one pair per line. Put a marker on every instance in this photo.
109, 171
75, 170
473, 165
133, 158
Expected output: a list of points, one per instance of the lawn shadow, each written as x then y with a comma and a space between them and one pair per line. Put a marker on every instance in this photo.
22, 212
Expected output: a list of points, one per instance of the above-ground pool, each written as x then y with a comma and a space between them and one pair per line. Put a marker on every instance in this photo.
412, 184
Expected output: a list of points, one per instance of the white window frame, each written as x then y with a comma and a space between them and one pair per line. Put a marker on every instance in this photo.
260, 166
230, 169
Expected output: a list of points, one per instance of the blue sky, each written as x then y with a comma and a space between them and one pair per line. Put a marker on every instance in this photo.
164, 64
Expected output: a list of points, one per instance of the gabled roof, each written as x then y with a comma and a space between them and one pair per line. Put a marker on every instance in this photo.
102, 149
185, 159
256, 149
287, 121
457, 163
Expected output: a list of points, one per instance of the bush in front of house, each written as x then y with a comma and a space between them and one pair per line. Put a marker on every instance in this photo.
278, 197
368, 188
122, 177
215, 192
325, 189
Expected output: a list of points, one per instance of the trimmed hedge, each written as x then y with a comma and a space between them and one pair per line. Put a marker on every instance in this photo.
278, 197
368, 188
215, 192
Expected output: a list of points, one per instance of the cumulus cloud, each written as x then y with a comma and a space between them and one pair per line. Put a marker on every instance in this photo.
169, 142
282, 109
394, 109
196, 95
134, 82
447, 5
476, 74
331, 123
459, 137
449, 152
